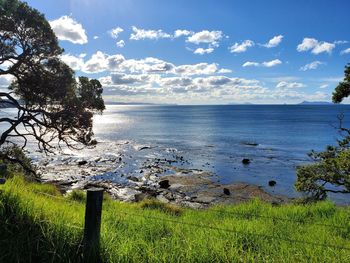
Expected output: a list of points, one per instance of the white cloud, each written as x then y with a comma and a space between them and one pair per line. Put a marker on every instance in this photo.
250, 64
312, 65
120, 43
315, 46
5, 80
323, 47
66, 28
307, 44
239, 48
75, 62
267, 64
224, 71
202, 51
147, 65
271, 63
197, 69
339, 42
345, 51
323, 86
115, 32
205, 36
274, 42
100, 62
96, 37
181, 32
289, 85
141, 34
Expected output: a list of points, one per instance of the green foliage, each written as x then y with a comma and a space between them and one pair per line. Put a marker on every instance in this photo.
40, 228
16, 161
54, 107
343, 89
331, 172
166, 208
77, 195
90, 92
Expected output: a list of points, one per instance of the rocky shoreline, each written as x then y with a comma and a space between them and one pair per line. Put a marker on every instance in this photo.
128, 175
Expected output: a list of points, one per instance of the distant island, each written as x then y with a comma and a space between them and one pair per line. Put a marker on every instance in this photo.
316, 103
135, 103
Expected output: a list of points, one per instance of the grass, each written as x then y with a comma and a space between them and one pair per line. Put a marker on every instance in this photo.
38, 228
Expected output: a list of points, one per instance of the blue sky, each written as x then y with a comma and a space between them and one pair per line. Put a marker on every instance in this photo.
223, 51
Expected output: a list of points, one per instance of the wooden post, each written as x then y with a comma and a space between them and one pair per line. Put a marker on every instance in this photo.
91, 242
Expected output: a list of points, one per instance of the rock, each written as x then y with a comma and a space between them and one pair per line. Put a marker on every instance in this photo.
162, 199
193, 205
133, 178
164, 184
272, 183
204, 199
153, 177
124, 194
176, 187
143, 147
227, 191
140, 197
82, 162
246, 161
251, 143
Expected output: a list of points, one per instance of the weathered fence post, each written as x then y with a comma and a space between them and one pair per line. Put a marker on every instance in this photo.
91, 242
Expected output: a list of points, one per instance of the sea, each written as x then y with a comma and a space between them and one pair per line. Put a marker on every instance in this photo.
216, 138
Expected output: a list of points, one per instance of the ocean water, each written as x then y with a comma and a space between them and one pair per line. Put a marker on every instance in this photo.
217, 138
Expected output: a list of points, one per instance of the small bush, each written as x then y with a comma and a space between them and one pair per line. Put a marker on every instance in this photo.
77, 195
157, 205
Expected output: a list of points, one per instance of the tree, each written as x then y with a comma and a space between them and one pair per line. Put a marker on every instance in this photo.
52, 107
331, 172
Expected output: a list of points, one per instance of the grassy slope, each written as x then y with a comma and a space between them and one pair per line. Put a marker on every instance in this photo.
39, 228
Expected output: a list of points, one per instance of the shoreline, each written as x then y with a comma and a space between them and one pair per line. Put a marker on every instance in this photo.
130, 177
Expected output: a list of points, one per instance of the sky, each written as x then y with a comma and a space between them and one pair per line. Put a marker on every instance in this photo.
205, 52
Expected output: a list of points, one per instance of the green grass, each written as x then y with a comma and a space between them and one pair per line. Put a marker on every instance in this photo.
38, 228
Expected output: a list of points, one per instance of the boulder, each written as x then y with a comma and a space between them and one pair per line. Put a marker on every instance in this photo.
164, 184
272, 183
82, 162
133, 178
227, 191
246, 161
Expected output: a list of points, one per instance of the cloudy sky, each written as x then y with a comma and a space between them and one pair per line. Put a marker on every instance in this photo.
205, 52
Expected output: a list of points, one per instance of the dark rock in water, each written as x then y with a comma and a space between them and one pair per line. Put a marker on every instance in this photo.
83, 162
272, 183
144, 148
141, 171
251, 143
227, 191
164, 184
133, 178
246, 161
120, 159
